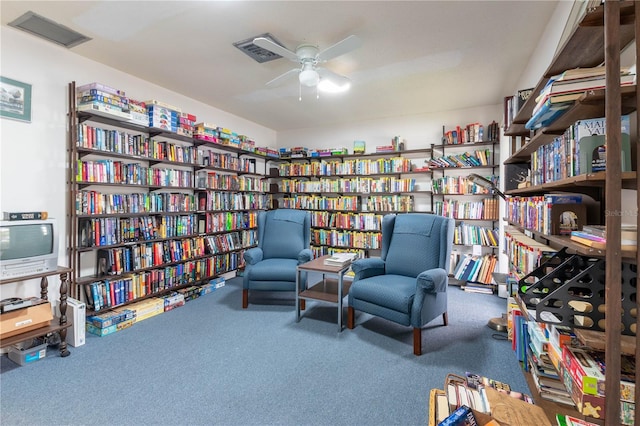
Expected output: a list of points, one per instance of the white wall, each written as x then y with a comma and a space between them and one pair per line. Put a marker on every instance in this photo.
419, 131
33, 158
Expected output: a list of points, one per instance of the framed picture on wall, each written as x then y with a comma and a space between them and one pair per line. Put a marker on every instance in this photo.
15, 99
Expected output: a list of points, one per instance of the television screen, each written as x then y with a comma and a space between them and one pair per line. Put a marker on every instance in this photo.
28, 240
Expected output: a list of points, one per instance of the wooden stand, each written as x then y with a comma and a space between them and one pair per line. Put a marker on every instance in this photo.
57, 324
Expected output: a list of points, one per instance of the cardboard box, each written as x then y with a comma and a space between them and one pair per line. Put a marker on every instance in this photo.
594, 405
584, 370
21, 320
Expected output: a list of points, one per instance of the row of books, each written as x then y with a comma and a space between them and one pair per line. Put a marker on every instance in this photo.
471, 133
96, 202
110, 171
525, 253
468, 235
340, 238
94, 232
354, 221
101, 294
208, 158
580, 149
319, 251
320, 202
228, 201
227, 221
486, 209
476, 268
372, 203
228, 182
119, 260
138, 144
596, 236
459, 185
231, 241
535, 212
346, 167
465, 159
562, 90
361, 185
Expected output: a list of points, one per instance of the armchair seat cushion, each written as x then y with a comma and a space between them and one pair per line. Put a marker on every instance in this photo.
392, 291
274, 269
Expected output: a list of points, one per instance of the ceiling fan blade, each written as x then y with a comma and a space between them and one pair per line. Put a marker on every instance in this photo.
265, 43
340, 48
279, 79
330, 75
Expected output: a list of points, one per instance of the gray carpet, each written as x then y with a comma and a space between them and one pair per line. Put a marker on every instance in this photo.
213, 363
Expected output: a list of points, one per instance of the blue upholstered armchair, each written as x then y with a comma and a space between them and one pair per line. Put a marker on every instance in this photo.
408, 283
284, 239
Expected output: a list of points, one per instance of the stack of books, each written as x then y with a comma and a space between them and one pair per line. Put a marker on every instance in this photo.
340, 259
562, 90
595, 236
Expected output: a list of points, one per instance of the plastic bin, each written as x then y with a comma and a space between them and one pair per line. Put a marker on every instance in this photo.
28, 351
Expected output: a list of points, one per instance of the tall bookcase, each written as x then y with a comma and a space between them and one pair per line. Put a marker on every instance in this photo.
473, 206
151, 211
349, 194
600, 36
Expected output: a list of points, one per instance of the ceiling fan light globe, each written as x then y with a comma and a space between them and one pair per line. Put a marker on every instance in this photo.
329, 86
309, 78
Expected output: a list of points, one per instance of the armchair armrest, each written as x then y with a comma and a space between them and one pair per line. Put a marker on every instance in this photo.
432, 281
368, 267
305, 256
253, 255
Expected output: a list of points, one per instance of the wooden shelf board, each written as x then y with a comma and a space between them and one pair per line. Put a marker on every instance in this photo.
596, 340
590, 105
54, 325
585, 48
326, 290
581, 249
596, 179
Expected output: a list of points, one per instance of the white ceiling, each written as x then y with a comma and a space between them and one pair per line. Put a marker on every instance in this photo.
416, 57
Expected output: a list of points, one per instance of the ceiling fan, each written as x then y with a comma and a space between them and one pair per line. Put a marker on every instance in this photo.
308, 57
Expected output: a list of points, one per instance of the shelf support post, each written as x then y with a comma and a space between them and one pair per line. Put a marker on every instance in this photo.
613, 211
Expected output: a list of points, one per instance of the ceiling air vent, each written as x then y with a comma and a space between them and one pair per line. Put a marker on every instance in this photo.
48, 30
258, 53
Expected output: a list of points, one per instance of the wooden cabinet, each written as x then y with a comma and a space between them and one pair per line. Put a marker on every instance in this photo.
152, 211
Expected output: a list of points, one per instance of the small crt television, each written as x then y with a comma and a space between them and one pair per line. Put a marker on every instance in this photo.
28, 247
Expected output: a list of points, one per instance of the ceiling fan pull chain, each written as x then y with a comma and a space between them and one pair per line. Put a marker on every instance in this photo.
299, 92
317, 92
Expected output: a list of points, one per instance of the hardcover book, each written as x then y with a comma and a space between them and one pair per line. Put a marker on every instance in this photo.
591, 148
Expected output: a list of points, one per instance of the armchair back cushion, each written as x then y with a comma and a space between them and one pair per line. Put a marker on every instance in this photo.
283, 233
413, 243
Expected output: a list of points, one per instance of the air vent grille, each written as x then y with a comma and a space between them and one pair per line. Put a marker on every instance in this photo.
256, 52
48, 30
